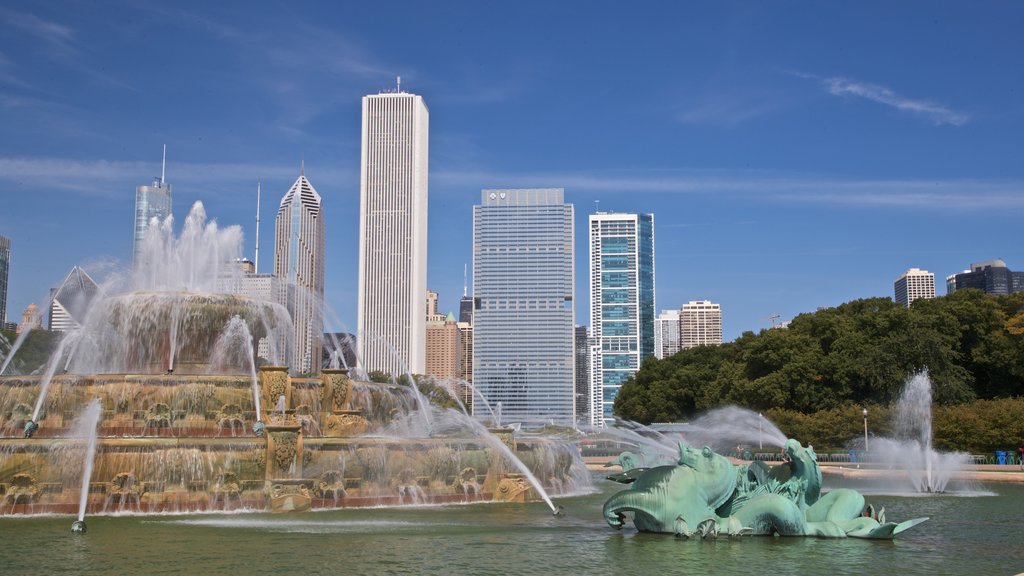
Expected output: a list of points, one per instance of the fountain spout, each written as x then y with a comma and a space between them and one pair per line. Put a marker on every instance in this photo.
30, 428
259, 428
78, 527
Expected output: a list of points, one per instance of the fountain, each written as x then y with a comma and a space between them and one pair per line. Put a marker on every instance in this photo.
87, 428
189, 419
910, 449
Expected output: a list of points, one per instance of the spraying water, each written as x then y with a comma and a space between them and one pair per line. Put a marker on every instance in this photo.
730, 426
911, 447
14, 349
234, 347
86, 428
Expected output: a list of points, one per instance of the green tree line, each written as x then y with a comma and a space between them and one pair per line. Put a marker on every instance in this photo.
856, 354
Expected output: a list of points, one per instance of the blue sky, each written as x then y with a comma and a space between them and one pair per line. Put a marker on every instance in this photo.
795, 155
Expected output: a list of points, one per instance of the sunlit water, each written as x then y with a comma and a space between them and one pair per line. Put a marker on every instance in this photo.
965, 536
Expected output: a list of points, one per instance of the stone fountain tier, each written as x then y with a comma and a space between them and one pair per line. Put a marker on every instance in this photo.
149, 332
152, 475
184, 443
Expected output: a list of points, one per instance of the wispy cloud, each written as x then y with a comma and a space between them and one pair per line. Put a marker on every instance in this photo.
50, 33
107, 178
112, 178
766, 186
726, 109
935, 113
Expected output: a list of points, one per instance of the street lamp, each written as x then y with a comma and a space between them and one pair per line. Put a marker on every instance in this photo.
865, 430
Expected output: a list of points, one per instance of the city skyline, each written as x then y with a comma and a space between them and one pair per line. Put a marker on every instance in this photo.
771, 167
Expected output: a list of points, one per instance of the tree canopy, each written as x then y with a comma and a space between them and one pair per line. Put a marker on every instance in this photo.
861, 352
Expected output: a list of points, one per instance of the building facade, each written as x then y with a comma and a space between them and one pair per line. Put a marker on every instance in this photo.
581, 346
69, 302
443, 341
5, 269
393, 234
299, 268
913, 284
666, 334
153, 201
700, 324
523, 319
621, 304
991, 277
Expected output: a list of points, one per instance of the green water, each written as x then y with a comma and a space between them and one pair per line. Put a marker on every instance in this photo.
967, 535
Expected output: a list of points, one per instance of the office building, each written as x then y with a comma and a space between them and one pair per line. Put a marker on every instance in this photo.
393, 233
523, 319
666, 334
299, 267
69, 302
991, 277
339, 350
5, 268
151, 202
913, 284
443, 341
621, 304
700, 324
581, 346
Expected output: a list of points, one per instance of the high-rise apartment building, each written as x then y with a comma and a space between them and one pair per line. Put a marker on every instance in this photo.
621, 304
152, 201
913, 284
700, 324
991, 277
466, 357
581, 347
443, 341
69, 302
393, 233
5, 268
666, 334
523, 322
299, 268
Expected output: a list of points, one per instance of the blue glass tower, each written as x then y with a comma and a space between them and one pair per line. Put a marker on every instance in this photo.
621, 304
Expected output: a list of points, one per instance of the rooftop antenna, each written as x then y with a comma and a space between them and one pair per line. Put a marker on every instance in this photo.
256, 265
597, 206
465, 279
399, 84
163, 167
302, 166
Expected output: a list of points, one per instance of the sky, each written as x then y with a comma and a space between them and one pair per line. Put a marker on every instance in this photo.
795, 155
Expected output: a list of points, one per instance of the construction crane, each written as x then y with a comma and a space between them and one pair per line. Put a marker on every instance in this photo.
773, 317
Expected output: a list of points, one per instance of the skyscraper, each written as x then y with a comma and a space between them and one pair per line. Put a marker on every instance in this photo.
299, 267
5, 268
700, 324
666, 334
151, 202
621, 304
991, 277
523, 325
913, 284
582, 378
393, 233
69, 302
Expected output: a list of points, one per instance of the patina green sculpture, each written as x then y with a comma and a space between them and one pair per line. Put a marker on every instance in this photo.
706, 495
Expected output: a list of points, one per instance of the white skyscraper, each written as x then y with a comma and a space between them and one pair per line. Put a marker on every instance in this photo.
299, 267
393, 234
666, 334
523, 325
621, 304
913, 284
700, 324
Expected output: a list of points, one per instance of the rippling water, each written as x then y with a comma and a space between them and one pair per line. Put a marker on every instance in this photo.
966, 535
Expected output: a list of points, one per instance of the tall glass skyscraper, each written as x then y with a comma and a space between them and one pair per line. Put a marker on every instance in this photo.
393, 234
5, 268
523, 288
621, 304
299, 267
151, 202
